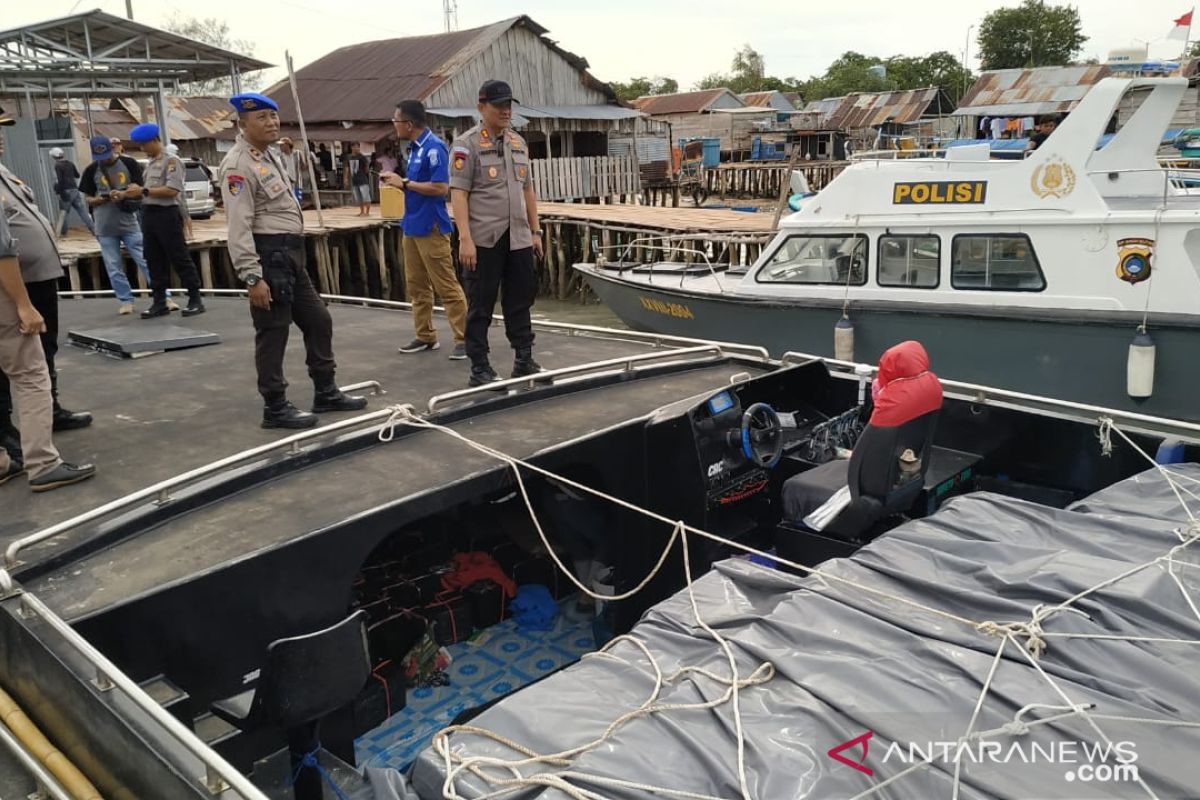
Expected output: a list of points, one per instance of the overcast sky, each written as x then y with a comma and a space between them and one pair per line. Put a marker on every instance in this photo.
625, 38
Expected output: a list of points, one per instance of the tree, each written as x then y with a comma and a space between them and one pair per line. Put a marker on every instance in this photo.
1030, 35
215, 32
748, 75
642, 86
941, 69
855, 72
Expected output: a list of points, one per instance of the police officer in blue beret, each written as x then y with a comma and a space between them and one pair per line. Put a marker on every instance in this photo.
266, 245
162, 225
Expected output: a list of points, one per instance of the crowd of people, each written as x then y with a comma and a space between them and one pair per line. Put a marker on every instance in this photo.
486, 179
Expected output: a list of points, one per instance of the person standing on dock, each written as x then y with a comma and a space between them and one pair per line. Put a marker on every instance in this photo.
112, 185
66, 186
358, 179
162, 225
428, 265
266, 246
41, 268
495, 209
23, 362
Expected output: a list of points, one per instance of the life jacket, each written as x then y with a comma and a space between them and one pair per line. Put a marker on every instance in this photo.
905, 387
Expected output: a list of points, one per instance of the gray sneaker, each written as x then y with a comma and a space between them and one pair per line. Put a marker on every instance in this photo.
459, 353
417, 346
63, 475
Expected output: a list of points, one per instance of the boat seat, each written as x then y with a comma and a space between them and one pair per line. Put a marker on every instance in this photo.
873, 476
303, 679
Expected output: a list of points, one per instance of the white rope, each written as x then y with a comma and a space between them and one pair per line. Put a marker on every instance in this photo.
1032, 648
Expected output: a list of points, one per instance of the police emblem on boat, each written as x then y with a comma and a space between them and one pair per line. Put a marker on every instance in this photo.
1133, 259
1053, 179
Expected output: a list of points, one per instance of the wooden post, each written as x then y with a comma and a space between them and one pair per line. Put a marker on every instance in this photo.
73, 274
564, 267
206, 273
784, 187
381, 254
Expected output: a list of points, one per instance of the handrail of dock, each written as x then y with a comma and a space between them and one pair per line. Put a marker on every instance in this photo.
47, 784
219, 775
1020, 401
161, 492
549, 377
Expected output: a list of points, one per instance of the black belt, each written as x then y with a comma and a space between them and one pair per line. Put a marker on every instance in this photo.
148, 207
290, 241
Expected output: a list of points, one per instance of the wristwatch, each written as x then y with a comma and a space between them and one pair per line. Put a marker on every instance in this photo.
404, 183
145, 192
252, 280
538, 232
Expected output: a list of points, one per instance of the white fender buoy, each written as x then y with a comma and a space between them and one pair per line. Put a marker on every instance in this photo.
843, 340
1139, 369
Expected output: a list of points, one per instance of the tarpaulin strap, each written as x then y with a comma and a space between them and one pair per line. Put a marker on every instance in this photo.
310, 760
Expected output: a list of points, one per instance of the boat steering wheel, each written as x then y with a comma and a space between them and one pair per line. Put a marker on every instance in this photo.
762, 435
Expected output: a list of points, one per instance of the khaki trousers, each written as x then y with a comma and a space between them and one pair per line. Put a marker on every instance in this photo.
22, 360
428, 268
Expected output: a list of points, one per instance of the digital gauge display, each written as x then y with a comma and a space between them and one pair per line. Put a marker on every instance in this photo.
720, 402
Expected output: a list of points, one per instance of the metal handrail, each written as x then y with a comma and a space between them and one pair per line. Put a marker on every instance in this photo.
46, 782
654, 246
161, 490
549, 376
219, 775
656, 339
984, 395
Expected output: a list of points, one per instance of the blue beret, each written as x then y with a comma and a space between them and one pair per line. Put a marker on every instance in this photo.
145, 132
252, 101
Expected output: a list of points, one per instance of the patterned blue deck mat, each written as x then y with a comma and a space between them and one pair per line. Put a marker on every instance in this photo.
501, 661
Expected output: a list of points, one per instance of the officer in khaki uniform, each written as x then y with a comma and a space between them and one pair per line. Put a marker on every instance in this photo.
495, 209
162, 225
266, 245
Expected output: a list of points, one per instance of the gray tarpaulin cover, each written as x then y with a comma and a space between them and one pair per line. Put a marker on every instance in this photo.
849, 664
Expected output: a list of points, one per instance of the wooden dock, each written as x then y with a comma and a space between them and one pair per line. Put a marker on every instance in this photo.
363, 256
765, 179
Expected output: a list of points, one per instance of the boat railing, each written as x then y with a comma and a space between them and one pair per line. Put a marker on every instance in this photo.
550, 377
219, 776
668, 244
160, 493
1005, 398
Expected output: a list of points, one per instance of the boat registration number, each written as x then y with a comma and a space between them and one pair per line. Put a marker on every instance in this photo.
939, 192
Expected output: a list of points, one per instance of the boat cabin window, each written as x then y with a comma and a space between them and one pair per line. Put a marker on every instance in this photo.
829, 258
909, 261
995, 261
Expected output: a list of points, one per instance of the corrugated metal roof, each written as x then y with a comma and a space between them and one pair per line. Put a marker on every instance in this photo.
362, 82
679, 103
824, 108
198, 117
870, 109
1022, 92
757, 98
764, 100
105, 122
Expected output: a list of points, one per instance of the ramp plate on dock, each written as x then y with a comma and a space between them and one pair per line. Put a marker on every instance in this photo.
131, 341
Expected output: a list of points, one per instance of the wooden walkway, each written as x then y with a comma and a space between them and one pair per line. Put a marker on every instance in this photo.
363, 256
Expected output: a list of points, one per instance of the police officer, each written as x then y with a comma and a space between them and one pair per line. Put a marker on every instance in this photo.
41, 268
162, 225
495, 209
266, 245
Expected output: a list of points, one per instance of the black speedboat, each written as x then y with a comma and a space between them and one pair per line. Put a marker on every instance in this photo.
166, 634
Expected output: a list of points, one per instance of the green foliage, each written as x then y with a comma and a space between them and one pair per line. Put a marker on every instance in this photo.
1032, 34
851, 72
215, 32
748, 74
639, 87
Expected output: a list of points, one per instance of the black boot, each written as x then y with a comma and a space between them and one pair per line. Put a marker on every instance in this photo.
482, 374
157, 309
282, 414
195, 305
524, 365
65, 419
328, 397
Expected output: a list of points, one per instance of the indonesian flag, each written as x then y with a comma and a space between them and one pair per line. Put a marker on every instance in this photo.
1182, 29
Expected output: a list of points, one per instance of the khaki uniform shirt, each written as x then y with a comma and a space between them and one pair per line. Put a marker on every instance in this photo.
166, 170
258, 199
33, 238
495, 173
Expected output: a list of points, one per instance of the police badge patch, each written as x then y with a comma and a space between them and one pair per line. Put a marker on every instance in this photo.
433, 158
235, 184
1133, 259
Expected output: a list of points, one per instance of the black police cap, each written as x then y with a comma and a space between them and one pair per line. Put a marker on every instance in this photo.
496, 92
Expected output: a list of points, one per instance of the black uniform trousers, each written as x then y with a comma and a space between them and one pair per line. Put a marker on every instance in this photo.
44, 297
509, 273
162, 229
293, 299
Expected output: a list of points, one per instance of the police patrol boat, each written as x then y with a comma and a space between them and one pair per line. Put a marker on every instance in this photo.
1073, 273
227, 613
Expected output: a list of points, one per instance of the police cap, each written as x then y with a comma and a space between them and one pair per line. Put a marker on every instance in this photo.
496, 92
146, 132
252, 101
